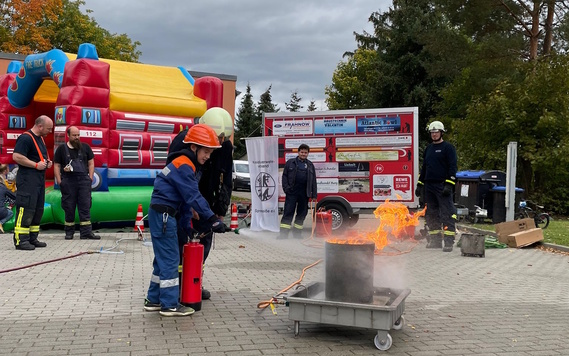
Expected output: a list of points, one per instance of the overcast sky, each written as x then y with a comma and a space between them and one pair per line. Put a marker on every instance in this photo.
293, 45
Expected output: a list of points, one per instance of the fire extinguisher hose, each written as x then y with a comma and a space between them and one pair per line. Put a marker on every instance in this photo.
265, 304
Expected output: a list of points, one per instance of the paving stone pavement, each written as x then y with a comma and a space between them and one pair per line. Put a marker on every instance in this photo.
512, 302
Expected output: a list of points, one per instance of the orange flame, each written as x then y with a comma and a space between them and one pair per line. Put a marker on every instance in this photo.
395, 220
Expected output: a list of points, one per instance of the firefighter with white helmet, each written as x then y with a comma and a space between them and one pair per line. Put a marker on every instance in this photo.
175, 195
436, 184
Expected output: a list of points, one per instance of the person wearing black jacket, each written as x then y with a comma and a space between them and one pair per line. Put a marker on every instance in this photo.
436, 184
299, 185
74, 167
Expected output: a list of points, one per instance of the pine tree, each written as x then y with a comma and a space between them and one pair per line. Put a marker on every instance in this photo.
294, 104
265, 105
312, 106
245, 123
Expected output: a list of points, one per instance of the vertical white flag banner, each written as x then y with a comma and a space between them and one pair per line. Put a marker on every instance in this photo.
263, 156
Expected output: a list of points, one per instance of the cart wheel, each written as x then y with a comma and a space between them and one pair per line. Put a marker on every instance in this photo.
296, 328
399, 323
384, 344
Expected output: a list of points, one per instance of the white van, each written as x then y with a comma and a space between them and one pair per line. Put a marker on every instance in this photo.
241, 177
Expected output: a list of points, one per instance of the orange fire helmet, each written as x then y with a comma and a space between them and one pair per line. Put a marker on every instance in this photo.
202, 135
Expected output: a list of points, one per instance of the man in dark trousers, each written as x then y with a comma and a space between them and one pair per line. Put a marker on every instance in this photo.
30, 153
436, 182
299, 185
74, 169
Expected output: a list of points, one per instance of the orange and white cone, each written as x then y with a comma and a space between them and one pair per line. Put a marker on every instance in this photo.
234, 223
139, 224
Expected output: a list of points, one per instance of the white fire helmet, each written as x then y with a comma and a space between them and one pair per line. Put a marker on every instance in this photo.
219, 120
436, 126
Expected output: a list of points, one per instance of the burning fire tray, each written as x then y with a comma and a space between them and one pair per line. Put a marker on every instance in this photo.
383, 313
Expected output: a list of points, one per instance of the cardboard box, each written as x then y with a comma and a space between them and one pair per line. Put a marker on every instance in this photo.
518, 233
503, 230
525, 238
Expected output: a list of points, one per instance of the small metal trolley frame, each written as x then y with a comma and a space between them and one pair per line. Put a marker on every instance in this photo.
385, 312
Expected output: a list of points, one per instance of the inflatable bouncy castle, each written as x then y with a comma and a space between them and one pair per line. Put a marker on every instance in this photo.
127, 112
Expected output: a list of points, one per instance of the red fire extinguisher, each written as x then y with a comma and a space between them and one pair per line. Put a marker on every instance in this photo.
192, 268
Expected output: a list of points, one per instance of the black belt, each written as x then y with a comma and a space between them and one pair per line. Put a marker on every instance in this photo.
160, 208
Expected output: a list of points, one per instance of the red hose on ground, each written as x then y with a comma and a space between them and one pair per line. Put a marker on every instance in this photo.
44, 262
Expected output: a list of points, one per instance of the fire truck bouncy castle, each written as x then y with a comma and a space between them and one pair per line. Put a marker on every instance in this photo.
127, 112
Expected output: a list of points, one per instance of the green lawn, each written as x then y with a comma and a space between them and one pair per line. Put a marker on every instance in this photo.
556, 233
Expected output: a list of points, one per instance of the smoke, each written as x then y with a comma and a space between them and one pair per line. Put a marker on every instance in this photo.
390, 272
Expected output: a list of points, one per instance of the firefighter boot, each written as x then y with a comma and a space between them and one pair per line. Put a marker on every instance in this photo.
69, 231
435, 241
297, 233
86, 232
449, 242
24, 243
283, 234
34, 240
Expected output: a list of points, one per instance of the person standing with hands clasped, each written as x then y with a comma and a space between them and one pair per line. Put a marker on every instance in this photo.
74, 168
299, 185
30, 153
436, 184
176, 192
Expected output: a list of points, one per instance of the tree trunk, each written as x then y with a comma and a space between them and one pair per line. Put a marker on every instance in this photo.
549, 27
534, 31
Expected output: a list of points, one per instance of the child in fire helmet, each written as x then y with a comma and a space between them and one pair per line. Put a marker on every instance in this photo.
176, 192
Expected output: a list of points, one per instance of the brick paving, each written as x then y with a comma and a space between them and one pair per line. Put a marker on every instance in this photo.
512, 302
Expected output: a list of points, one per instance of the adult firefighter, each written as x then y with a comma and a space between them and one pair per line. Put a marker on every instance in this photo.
30, 153
436, 182
74, 168
299, 185
176, 192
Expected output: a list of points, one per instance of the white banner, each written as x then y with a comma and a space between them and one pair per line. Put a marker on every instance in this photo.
263, 156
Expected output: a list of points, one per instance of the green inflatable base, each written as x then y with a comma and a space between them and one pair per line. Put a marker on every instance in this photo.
117, 205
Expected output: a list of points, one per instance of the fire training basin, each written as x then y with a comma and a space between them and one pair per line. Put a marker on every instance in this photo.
383, 313
349, 271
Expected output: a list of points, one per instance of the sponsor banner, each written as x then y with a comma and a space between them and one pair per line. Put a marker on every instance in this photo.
262, 154
312, 156
327, 185
391, 186
367, 156
354, 185
334, 126
329, 169
359, 141
354, 169
293, 143
292, 127
379, 124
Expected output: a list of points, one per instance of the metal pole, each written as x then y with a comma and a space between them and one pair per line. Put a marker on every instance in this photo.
511, 180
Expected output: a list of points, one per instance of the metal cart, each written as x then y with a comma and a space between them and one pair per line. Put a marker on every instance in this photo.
385, 312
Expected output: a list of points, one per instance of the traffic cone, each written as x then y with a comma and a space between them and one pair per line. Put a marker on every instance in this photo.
234, 223
139, 224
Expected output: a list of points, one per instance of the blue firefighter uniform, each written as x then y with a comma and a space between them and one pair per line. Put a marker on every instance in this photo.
175, 192
299, 185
